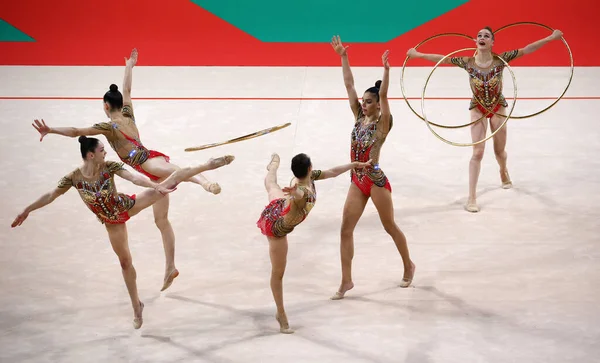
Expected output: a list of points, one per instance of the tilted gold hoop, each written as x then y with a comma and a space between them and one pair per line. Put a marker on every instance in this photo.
241, 138
493, 133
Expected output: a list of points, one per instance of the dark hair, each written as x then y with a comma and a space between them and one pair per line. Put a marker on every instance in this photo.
87, 144
491, 31
375, 90
114, 97
300, 165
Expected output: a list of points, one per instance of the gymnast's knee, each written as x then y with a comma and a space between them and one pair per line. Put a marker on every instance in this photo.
500, 154
277, 273
126, 262
346, 231
162, 221
390, 227
477, 154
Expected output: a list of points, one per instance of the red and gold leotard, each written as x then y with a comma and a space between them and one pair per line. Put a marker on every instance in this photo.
365, 144
100, 193
486, 83
282, 215
124, 139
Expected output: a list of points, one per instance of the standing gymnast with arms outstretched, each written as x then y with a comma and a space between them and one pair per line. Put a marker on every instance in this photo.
485, 78
124, 138
372, 123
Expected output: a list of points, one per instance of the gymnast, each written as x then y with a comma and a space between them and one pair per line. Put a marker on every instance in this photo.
485, 79
372, 123
94, 181
287, 208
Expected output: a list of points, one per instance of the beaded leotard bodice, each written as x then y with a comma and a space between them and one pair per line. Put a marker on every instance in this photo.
366, 142
290, 212
100, 193
124, 138
486, 83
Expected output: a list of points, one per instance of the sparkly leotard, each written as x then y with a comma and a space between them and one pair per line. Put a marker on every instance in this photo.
486, 83
365, 144
124, 139
100, 193
282, 215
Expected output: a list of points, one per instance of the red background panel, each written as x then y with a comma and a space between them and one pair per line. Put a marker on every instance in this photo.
180, 33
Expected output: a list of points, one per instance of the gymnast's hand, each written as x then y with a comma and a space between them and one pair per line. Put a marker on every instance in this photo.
384, 59
337, 45
293, 191
164, 190
557, 34
359, 165
290, 190
412, 53
132, 59
20, 219
42, 128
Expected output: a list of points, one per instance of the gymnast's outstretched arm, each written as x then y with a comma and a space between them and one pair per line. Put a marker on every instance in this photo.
42, 201
413, 53
335, 171
339, 48
127, 78
143, 181
44, 130
384, 103
530, 48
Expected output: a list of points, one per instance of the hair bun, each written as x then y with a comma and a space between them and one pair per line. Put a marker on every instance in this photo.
113, 88
82, 139
378, 84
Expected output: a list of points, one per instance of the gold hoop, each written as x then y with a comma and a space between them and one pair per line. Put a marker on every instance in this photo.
559, 97
241, 138
404, 92
493, 133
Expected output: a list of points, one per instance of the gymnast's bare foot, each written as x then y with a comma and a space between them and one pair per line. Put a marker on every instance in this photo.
408, 275
213, 187
472, 206
284, 326
344, 287
274, 162
506, 182
215, 163
138, 320
169, 277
